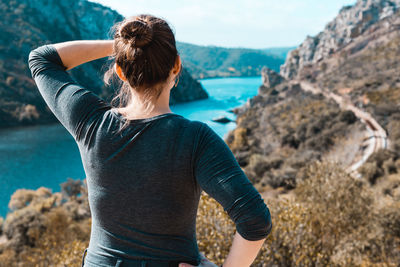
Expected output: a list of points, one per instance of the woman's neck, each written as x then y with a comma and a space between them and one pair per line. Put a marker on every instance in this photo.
137, 108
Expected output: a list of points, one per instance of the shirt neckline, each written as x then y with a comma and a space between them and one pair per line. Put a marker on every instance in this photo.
121, 117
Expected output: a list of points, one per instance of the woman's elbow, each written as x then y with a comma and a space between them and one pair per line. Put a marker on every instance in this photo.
256, 228
33, 60
39, 60
33, 54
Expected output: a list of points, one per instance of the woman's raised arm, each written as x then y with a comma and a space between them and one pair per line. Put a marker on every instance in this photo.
75, 53
74, 106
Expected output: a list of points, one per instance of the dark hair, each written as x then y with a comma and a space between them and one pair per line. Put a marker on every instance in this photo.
145, 49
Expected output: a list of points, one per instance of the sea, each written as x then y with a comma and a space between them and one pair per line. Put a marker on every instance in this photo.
46, 155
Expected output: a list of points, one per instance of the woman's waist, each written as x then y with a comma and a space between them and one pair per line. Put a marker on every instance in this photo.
95, 259
138, 245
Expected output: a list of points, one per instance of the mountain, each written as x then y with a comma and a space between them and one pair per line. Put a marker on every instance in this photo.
334, 92
27, 24
214, 61
357, 56
351, 24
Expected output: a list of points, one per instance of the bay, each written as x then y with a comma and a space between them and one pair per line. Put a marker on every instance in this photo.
46, 155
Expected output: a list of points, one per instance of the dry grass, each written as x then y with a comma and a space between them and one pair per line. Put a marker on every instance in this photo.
330, 220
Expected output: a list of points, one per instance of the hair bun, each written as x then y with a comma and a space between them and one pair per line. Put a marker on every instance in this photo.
138, 33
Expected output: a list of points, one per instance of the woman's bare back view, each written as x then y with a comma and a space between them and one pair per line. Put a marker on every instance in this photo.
146, 166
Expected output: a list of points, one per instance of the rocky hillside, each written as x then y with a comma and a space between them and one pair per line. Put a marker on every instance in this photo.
27, 24
352, 23
284, 128
213, 61
357, 58
363, 66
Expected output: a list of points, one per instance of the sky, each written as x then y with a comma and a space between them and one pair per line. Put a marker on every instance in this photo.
237, 23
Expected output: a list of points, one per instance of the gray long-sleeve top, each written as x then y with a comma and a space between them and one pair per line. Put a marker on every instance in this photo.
144, 183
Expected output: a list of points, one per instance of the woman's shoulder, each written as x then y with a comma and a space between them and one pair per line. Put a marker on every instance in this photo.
203, 133
195, 127
184, 120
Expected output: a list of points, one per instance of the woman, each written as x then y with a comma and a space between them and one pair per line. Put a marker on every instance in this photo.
146, 166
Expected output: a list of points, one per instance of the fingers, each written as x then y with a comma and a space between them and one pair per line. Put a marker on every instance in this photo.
185, 265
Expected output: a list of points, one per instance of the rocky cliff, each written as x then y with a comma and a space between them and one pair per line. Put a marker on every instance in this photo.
27, 24
350, 23
356, 57
365, 70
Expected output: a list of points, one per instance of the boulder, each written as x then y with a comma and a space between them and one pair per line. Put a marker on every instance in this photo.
222, 119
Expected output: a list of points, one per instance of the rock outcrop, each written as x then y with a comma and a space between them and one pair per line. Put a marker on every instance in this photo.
350, 23
222, 119
270, 78
27, 24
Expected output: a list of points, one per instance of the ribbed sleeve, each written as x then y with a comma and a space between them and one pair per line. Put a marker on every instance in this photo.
220, 176
73, 105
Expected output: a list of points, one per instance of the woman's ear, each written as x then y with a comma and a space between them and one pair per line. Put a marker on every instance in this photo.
177, 66
118, 70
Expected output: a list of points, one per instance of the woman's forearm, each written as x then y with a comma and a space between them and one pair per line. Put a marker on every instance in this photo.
75, 53
243, 252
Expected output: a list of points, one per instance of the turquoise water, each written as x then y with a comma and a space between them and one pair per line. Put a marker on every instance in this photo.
45, 155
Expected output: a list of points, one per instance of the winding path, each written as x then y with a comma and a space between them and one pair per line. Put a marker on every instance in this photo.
376, 136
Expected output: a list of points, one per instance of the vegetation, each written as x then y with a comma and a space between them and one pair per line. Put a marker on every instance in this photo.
333, 219
213, 61
46, 229
370, 75
330, 219
284, 130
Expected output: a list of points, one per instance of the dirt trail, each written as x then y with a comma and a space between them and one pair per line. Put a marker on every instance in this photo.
376, 136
